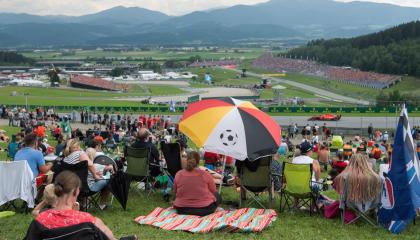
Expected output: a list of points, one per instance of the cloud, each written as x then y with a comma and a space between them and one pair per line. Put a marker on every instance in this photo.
81, 7
407, 3
171, 7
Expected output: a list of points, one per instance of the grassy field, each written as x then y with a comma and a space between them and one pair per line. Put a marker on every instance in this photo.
289, 92
408, 85
292, 225
295, 225
335, 86
164, 54
81, 97
224, 76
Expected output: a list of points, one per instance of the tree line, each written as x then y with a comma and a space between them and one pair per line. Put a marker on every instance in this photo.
392, 51
396, 98
11, 58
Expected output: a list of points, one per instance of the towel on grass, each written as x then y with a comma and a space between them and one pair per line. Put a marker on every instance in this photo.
6, 214
240, 220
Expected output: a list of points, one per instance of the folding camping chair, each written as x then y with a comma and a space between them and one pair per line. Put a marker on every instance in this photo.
256, 180
362, 210
138, 166
296, 190
172, 155
80, 231
86, 197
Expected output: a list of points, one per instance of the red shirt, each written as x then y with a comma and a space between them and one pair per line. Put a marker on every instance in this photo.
339, 165
57, 130
194, 189
210, 157
149, 123
230, 161
52, 219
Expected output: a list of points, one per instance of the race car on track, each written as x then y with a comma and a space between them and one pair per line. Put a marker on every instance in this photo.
326, 117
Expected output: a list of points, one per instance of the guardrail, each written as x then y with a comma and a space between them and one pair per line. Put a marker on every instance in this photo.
165, 108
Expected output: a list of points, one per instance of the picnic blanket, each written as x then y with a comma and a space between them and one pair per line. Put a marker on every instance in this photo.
240, 220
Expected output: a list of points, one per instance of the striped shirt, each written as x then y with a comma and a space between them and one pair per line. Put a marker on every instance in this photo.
73, 158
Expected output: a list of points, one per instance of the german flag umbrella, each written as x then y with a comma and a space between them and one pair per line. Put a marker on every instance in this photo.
231, 127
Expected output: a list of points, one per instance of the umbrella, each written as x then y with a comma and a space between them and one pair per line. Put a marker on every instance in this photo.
120, 185
231, 127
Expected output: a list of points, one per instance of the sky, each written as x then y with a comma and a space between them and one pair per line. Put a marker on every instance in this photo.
171, 7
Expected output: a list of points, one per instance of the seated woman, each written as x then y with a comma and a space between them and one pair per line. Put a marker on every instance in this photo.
73, 155
104, 170
195, 191
363, 185
67, 188
217, 178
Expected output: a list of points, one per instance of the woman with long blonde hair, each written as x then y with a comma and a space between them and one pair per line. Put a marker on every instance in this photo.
363, 184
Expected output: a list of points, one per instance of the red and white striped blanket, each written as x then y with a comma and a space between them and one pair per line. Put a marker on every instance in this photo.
240, 220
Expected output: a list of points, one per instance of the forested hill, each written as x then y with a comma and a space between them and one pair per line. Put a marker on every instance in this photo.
13, 58
393, 51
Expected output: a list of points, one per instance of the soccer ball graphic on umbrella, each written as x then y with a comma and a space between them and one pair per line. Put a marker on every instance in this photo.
229, 138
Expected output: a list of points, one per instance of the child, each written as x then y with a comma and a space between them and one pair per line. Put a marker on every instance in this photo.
372, 161
49, 200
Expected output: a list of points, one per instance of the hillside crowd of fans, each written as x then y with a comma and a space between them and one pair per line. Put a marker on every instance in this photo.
343, 74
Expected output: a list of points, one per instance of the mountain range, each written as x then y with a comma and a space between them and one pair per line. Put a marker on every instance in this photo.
276, 19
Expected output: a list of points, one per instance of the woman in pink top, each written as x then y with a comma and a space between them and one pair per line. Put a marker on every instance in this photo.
195, 190
67, 189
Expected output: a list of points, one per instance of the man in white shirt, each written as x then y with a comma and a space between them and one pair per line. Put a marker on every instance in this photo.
385, 137
306, 158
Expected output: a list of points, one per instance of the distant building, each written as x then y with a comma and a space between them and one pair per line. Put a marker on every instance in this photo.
80, 81
28, 83
61, 64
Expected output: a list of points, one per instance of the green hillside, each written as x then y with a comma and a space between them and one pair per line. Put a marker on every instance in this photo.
392, 51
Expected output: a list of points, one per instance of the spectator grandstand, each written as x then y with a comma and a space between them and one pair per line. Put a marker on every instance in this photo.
80, 81
215, 63
343, 74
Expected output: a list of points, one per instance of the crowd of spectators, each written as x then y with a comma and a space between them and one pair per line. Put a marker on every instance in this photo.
343, 74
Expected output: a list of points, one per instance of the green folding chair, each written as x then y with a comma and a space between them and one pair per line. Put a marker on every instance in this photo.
257, 182
296, 190
138, 166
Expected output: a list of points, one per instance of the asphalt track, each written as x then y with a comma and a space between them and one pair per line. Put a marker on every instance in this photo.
389, 122
345, 122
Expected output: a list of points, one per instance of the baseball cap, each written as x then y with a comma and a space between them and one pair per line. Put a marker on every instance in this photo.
305, 147
99, 138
